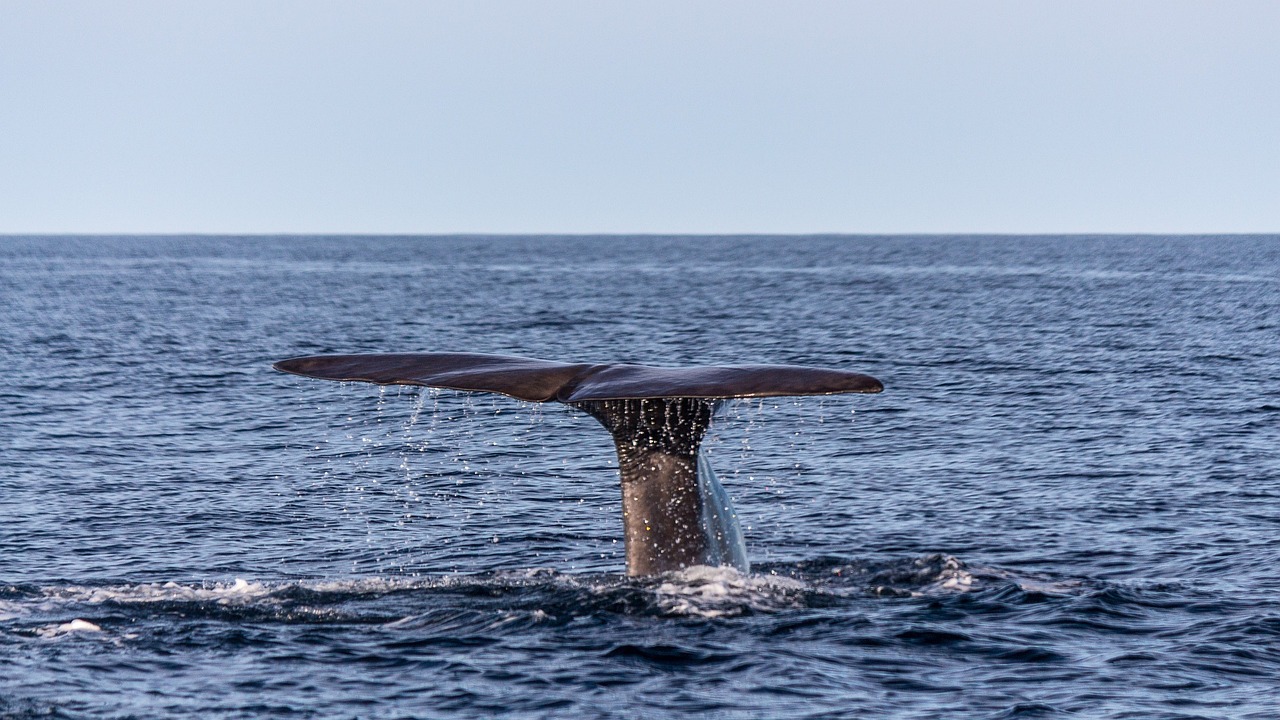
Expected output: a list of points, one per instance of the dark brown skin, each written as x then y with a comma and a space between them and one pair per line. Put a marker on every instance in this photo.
521, 378
657, 416
544, 380
657, 441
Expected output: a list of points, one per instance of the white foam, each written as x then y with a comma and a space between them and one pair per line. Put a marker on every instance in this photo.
240, 591
953, 576
10, 610
376, 585
75, 626
724, 591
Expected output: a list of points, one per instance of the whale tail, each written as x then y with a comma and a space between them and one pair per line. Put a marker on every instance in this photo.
675, 513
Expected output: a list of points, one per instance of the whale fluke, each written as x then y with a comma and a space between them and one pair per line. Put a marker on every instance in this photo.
674, 514
544, 380
521, 378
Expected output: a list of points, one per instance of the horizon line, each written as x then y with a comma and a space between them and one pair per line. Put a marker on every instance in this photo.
543, 234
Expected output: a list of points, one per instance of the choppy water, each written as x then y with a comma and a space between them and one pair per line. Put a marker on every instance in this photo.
1066, 503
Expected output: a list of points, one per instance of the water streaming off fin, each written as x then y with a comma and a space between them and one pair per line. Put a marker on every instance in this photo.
725, 544
441, 480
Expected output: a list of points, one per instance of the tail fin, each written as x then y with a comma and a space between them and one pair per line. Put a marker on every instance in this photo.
674, 512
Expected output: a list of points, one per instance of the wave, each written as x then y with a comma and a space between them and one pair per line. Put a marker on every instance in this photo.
533, 595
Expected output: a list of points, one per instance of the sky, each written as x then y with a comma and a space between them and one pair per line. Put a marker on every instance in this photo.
696, 116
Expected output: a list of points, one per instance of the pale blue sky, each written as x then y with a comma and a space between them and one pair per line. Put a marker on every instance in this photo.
700, 117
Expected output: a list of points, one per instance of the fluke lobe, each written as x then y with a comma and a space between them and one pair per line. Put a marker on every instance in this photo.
674, 512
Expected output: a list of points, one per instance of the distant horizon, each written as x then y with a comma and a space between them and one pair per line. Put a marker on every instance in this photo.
630, 234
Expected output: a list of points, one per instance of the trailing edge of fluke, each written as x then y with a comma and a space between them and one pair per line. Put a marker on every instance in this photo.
674, 512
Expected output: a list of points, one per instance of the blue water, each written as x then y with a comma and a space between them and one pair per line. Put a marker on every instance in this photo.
1065, 504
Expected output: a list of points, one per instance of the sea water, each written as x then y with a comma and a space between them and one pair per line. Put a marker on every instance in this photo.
1065, 503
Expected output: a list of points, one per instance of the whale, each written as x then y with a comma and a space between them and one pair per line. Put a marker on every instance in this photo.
675, 513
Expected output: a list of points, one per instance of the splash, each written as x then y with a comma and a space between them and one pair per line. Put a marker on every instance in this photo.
713, 592
533, 593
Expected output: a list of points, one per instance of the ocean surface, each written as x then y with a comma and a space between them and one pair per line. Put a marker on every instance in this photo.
1066, 503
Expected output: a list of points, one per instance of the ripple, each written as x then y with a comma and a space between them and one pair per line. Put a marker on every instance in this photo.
1046, 513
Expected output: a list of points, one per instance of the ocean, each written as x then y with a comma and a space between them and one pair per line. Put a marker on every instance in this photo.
1066, 502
